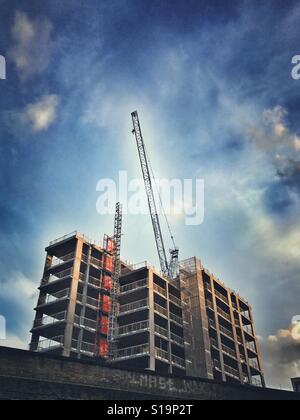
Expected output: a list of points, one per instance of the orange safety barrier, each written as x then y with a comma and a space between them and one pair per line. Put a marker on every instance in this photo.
106, 304
107, 282
110, 245
109, 263
103, 347
104, 325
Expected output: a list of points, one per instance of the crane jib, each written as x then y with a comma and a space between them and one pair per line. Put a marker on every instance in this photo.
168, 269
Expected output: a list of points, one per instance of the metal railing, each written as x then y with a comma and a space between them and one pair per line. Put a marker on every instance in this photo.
161, 331
94, 281
227, 332
84, 258
231, 371
134, 286
221, 296
214, 343
229, 351
50, 320
50, 344
212, 323
86, 348
62, 260
86, 323
133, 328
91, 280
62, 238
161, 354
160, 309
248, 329
58, 276
246, 315
175, 300
97, 263
217, 365
251, 346
223, 330
224, 314
254, 363
129, 352
178, 361
210, 305
89, 301
177, 339
139, 304
207, 287
160, 290
176, 318
240, 339
62, 294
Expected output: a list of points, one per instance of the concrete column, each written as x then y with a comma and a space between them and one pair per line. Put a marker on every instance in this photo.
151, 321
237, 348
169, 331
218, 328
73, 298
42, 298
260, 362
207, 365
244, 340
84, 300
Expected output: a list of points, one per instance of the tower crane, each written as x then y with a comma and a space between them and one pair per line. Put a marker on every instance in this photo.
168, 268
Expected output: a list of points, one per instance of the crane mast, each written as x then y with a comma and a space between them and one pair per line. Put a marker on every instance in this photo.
168, 269
113, 316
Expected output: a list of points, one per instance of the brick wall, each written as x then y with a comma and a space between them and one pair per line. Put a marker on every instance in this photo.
26, 375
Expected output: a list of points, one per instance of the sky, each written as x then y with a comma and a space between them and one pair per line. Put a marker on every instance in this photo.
212, 83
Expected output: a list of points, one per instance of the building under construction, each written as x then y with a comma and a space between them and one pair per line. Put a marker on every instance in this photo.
72, 313
220, 336
180, 320
193, 325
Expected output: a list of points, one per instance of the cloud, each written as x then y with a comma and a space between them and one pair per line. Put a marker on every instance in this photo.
24, 289
34, 118
275, 135
15, 342
32, 44
282, 148
18, 297
42, 113
282, 356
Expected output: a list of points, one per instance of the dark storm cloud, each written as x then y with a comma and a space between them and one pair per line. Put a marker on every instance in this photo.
289, 174
282, 356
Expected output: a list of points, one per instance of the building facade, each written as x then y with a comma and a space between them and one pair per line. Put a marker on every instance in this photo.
193, 325
221, 341
150, 325
74, 301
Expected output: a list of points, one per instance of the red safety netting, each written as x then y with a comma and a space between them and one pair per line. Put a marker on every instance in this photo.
104, 325
110, 245
106, 304
107, 282
109, 263
103, 347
